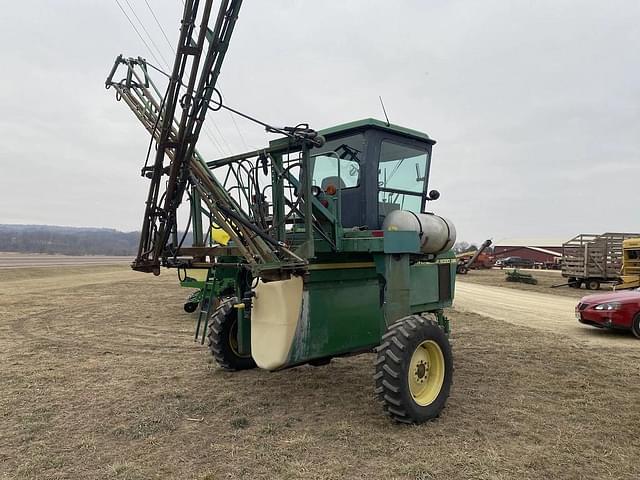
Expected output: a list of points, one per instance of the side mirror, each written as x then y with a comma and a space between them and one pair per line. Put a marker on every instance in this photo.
433, 195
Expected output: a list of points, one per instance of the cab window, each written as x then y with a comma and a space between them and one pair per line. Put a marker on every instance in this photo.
337, 162
401, 177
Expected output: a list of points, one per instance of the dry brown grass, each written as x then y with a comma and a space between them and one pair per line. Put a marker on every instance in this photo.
546, 278
102, 380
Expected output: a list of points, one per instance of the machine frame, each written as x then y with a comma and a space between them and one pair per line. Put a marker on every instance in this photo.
297, 270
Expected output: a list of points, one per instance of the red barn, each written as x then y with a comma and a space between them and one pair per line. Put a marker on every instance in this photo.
547, 251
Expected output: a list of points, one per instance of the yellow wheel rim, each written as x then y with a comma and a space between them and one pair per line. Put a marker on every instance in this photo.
426, 373
233, 340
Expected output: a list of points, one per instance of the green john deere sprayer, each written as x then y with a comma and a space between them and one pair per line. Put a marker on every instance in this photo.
317, 246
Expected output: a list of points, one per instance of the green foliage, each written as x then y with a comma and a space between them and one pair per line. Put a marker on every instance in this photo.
516, 276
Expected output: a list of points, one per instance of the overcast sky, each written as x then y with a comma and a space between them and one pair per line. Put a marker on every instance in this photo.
535, 105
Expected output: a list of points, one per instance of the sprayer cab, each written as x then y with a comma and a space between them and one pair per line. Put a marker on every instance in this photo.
376, 168
380, 172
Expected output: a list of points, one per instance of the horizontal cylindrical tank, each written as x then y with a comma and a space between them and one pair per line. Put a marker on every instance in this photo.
437, 234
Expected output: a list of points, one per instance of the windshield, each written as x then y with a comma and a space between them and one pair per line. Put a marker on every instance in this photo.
633, 254
401, 177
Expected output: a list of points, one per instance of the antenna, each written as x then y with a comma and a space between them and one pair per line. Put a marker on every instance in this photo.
384, 110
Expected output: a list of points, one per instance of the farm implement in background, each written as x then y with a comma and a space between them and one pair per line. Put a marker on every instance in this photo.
630, 277
520, 277
314, 247
592, 260
474, 259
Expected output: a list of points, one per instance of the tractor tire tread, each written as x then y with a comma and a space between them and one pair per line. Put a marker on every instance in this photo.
392, 400
394, 358
389, 386
219, 325
404, 332
392, 373
380, 360
391, 363
398, 344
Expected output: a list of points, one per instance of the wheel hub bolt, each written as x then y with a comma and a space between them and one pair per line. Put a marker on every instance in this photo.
421, 371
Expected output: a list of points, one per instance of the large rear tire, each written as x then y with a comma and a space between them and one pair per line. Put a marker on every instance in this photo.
414, 370
223, 338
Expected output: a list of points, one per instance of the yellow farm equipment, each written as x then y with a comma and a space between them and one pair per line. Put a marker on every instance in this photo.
630, 277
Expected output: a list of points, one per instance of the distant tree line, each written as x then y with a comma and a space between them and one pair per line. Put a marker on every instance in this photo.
67, 240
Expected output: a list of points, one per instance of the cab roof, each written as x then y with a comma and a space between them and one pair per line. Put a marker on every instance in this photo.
365, 124
380, 125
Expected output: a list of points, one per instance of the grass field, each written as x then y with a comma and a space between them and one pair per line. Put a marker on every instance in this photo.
101, 380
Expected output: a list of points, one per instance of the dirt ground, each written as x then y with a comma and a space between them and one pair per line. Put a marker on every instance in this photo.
545, 278
101, 379
544, 311
14, 260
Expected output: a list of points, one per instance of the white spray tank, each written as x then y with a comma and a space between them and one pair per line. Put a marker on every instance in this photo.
437, 234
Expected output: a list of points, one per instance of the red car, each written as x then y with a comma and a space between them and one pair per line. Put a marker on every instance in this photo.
611, 310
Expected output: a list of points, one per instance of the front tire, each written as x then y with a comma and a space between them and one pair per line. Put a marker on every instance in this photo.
414, 370
223, 338
190, 307
635, 325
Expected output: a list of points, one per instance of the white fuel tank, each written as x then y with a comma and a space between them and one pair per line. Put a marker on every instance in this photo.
437, 234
